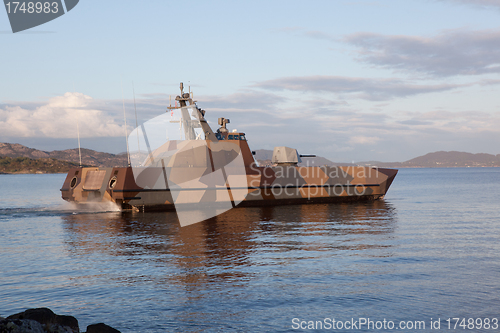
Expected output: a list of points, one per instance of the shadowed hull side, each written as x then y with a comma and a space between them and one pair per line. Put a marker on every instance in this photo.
267, 186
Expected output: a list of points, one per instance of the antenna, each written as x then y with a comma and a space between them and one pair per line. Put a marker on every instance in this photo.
136, 124
126, 132
78, 133
79, 147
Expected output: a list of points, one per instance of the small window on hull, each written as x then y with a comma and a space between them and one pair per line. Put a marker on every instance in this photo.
112, 182
73, 182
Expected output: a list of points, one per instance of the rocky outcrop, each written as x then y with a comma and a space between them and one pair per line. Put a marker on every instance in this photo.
16, 150
10, 165
20, 326
44, 320
101, 328
89, 156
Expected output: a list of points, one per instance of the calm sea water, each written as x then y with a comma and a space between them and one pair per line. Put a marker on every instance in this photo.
428, 251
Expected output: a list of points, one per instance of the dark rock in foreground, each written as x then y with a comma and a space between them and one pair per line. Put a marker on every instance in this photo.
49, 320
21, 326
101, 328
43, 320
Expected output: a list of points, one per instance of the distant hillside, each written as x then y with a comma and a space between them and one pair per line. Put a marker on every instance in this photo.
455, 159
29, 165
17, 150
444, 159
89, 157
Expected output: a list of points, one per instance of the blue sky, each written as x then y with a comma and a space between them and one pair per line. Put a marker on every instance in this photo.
348, 80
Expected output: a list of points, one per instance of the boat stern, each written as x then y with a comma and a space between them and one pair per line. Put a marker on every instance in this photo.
86, 185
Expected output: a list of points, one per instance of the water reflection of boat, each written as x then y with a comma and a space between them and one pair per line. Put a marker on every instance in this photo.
218, 249
196, 166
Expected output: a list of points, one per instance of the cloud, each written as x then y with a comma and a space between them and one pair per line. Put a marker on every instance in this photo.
321, 35
478, 3
363, 136
464, 122
361, 139
315, 124
415, 122
453, 52
364, 88
342, 132
245, 99
58, 119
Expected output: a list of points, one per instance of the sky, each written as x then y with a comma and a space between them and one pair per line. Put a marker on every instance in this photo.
382, 80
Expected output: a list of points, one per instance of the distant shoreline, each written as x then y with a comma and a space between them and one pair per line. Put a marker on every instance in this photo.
33, 173
374, 166
18, 159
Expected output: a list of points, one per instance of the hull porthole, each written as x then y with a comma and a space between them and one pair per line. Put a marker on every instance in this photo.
73, 182
112, 182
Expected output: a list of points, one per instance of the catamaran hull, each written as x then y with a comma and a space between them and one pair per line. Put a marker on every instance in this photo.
263, 186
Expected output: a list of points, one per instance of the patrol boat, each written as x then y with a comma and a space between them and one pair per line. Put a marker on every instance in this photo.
193, 168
